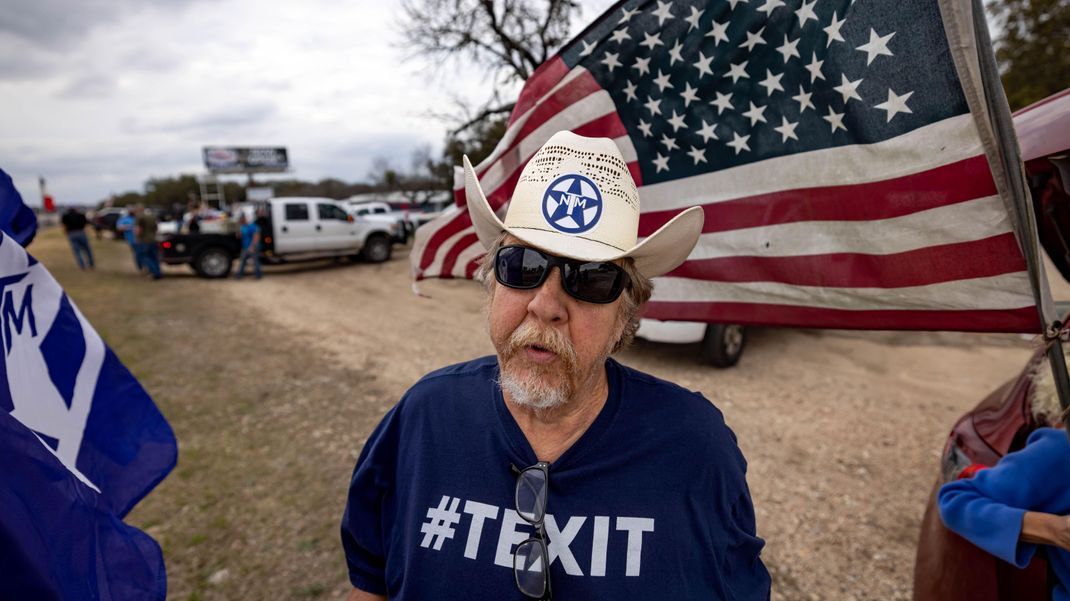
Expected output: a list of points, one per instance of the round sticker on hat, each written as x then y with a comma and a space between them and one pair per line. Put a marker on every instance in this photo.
572, 204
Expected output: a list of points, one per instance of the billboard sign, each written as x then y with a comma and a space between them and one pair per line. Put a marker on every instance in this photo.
250, 159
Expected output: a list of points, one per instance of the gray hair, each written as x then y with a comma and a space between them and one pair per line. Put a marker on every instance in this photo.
1045, 399
635, 295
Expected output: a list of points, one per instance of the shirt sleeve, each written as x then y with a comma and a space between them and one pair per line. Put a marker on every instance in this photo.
363, 528
743, 573
988, 509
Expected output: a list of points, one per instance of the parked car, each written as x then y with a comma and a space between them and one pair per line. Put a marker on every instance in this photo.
1044, 137
295, 229
381, 212
948, 567
722, 344
104, 220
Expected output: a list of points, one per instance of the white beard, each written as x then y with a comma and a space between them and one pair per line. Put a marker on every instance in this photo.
533, 394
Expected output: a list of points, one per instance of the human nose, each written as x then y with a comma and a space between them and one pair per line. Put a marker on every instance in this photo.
548, 304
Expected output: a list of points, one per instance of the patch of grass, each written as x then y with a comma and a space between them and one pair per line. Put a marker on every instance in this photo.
312, 591
308, 544
243, 397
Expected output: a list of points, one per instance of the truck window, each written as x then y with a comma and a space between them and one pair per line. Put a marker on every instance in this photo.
379, 211
296, 212
327, 211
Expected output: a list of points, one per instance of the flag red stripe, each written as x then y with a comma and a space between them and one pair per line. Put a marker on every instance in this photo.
439, 237
987, 257
1022, 320
470, 270
464, 242
580, 87
541, 81
606, 126
946, 185
637, 175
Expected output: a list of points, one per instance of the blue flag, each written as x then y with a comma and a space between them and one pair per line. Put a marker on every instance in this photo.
16, 219
85, 445
56, 540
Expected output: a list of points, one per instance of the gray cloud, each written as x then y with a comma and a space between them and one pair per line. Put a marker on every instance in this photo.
90, 85
228, 119
61, 24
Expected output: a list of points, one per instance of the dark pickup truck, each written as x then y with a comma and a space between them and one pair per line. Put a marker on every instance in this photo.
210, 255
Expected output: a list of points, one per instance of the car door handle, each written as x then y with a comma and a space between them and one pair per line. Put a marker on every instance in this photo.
285, 229
318, 228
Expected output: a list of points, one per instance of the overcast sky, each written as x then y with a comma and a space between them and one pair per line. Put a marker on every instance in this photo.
99, 95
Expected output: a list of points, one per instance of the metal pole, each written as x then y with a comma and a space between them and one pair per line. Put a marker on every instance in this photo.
1003, 127
1058, 370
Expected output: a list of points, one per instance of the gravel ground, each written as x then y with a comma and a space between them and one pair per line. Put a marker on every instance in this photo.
272, 387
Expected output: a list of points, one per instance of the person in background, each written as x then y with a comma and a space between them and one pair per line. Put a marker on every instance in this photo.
177, 215
125, 226
1024, 500
74, 223
250, 245
145, 236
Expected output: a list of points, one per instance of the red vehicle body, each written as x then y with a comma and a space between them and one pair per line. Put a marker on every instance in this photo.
947, 566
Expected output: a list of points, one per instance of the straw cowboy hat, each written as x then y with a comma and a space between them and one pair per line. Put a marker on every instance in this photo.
576, 199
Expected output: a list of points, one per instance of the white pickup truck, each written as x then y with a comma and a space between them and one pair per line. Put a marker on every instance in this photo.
381, 212
295, 229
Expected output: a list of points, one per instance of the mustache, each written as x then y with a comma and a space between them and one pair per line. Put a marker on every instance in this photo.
529, 334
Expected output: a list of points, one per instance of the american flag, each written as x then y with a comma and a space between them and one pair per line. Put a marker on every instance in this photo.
830, 143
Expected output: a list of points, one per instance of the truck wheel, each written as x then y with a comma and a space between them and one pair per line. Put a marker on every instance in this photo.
722, 346
212, 262
376, 249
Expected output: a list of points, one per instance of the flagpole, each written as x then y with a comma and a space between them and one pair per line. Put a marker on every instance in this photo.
1003, 126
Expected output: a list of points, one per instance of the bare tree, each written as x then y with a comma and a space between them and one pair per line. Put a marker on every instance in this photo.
507, 38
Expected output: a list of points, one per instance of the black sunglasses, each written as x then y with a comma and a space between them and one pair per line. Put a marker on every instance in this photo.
531, 567
525, 268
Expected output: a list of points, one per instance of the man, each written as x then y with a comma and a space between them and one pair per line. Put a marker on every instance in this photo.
125, 226
250, 246
550, 453
74, 223
145, 235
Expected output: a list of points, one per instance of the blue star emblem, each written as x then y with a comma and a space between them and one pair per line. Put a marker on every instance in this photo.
572, 204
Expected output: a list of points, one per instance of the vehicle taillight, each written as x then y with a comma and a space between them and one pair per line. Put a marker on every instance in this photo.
166, 244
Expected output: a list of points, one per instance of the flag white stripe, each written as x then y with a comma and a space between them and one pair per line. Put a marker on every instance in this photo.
440, 253
627, 149
1007, 291
962, 222
466, 256
941, 143
423, 235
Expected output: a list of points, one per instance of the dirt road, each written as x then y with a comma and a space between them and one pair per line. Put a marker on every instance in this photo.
272, 387
842, 430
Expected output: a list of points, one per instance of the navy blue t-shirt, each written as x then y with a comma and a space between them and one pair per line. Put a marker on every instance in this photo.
650, 503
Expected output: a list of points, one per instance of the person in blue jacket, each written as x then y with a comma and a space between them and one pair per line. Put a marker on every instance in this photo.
1024, 500
125, 226
549, 469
